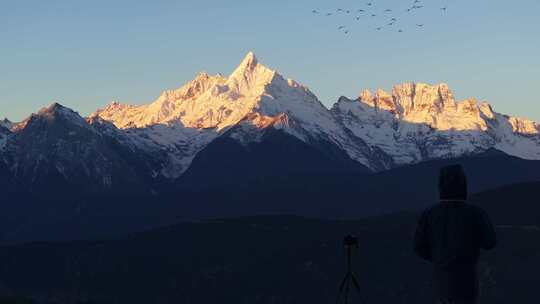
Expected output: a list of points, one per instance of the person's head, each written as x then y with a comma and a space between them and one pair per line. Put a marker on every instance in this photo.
452, 183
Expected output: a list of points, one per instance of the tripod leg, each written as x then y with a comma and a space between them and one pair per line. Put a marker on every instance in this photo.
355, 282
341, 287
345, 279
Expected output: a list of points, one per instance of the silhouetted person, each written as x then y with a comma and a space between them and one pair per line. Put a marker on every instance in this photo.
450, 235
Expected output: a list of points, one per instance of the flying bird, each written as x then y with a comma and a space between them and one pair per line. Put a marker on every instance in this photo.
387, 10
369, 4
390, 24
358, 18
328, 14
373, 15
348, 11
346, 32
378, 29
361, 10
341, 27
416, 1
315, 11
443, 9
420, 25
393, 19
400, 31
339, 10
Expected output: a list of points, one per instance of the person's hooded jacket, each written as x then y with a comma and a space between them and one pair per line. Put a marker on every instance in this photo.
451, 235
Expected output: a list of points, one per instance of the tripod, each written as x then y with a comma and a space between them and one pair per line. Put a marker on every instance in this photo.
350, 243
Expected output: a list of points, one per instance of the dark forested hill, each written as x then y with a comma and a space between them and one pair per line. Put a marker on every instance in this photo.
328, 192
271, 259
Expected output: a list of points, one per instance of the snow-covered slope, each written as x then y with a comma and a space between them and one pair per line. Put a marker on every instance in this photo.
419, 122
207, 102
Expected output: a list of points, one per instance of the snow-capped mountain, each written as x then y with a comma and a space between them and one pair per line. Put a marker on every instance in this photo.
125, 144
416, 122
419, 122
58, 146
253, 98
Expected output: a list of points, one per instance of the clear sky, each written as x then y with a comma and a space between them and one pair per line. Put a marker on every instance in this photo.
86, 53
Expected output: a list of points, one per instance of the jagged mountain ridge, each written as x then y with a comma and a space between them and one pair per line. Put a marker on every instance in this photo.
417, 122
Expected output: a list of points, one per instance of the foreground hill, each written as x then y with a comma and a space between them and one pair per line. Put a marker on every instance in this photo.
272, 259
517, 204
283, 189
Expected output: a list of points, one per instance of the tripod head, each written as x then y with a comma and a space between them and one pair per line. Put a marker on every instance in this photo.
350, 241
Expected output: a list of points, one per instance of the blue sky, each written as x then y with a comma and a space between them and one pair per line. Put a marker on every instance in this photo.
87, 53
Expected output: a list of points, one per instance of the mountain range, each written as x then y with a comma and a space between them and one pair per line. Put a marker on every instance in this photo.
380, 131
223, 143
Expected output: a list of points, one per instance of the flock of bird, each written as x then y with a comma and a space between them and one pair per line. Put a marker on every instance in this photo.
370, 12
